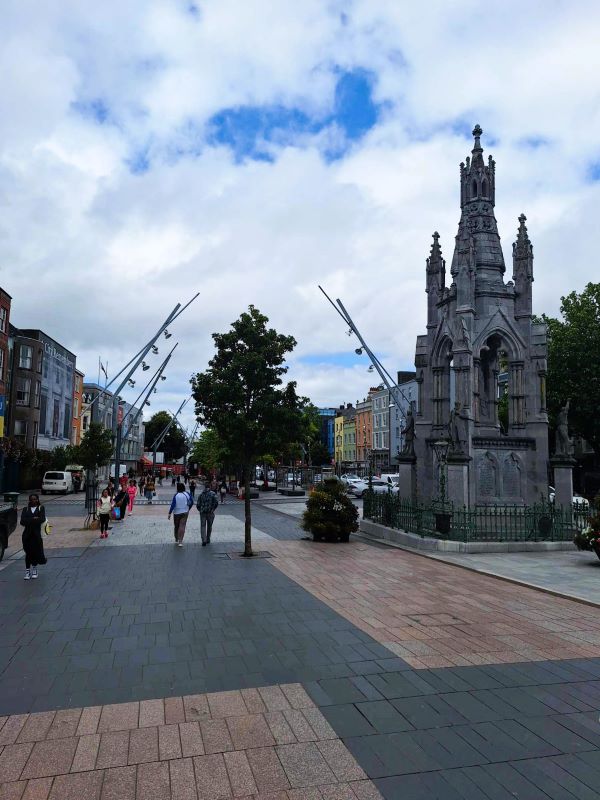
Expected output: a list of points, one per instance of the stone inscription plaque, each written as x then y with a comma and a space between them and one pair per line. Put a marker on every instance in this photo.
486, 477
511, 477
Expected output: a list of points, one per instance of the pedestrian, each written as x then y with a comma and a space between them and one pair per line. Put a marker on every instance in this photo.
104, 505
110, 486
223, 491
124, 482
192, 488
149, 490
121, 501
173, 481
131, 493
206, 505
141, 484
180, 508
33, 517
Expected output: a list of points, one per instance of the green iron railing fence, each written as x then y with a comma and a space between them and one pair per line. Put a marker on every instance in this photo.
537, 523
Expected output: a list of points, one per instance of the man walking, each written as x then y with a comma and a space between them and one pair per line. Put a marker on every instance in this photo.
206, 505
180, 504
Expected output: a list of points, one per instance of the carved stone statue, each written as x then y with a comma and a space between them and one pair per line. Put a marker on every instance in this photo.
456, 431
466, 339
563, 442
408, 448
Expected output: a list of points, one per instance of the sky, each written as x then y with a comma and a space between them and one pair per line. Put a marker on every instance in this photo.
250, 151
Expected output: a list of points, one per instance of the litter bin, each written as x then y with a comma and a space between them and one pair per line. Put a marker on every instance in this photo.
12, 498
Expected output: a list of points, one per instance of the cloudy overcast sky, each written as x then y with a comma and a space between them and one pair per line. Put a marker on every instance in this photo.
253, 149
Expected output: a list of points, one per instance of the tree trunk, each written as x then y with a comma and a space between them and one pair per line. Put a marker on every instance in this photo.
247, 514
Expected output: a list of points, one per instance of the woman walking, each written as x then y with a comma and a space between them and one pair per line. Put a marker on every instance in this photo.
149, 490
180, 507
131, 493
222, 491
104, 506
121, 500
141, 483
33, 517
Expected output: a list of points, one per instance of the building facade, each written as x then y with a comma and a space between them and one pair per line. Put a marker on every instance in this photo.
327, 429
132, 443
77, 407
349, 432
341, 414
381, 430
364, 431
5, 301
96, 406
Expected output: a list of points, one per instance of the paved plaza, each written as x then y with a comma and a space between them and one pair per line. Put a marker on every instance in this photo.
135, 669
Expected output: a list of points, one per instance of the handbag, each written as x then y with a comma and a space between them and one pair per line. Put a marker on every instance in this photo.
116, 513
94, 524
47, 527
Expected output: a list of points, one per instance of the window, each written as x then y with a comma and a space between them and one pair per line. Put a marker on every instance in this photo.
43, 412
484, 190
40, 359
84, 423
25, 356
36, 400
3, 319
35, 434
21, 428
1, 363
67, 422
474, 189
76, 408
23, 391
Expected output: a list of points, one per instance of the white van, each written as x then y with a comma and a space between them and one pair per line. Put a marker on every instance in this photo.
78, 474
57, 482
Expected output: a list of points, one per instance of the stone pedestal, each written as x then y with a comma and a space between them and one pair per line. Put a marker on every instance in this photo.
407, 481
562, 467
457, 467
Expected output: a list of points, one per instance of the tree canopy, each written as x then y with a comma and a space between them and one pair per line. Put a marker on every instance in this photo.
574, 363
209, 451
241, 396
173, 445
96, 447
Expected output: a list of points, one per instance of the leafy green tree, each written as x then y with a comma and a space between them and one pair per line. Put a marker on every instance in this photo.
61, 456
574, 363
209, 451
173, 445
319, 453
241, 396
96, 447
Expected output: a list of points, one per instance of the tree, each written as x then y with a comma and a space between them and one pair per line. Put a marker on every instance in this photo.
96, 447
173, 445
242, 398
61, 456
209, 451
574, 363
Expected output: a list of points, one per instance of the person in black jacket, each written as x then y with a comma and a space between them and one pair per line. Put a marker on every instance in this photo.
33, 517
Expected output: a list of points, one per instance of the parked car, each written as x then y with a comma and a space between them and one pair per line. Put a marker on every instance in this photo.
8, 522
578, 501
59, 482
358, 488
349, 476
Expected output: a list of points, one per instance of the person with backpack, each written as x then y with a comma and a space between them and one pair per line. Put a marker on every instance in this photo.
180, 507
206, 505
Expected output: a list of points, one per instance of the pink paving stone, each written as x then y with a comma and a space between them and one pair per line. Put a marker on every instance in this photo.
37, 789
240, 774
304, 794
304, 765
319, 724
52, 757
183, 779
113, 750
119, 717
253, 701
299, 725
282, 733
248, 731
212, 782
153, 782
226, 704
169, 744
119, 784
78, 786
36, 727
152, 712
88, 722
86, 753
191, 739
274, 698
12, 761
174, 710
12, 791
65, 723
195, 707
267, 770
296, 695
143, 745
365, 790
340, 760
12, 728
215, 735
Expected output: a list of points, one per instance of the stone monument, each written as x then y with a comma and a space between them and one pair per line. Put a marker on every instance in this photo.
480, 329
562, 461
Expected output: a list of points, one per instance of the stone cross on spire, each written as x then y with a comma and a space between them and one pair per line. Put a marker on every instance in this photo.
477, 132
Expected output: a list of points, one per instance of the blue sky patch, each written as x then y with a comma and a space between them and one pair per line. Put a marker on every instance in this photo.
95, 109
336, 359
594, 171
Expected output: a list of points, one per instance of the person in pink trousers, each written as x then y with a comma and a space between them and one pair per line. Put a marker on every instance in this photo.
132, 492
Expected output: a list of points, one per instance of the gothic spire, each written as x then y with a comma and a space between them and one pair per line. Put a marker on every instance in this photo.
522, 270
522, 248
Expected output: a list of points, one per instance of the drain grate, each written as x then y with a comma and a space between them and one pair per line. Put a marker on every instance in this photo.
236, 555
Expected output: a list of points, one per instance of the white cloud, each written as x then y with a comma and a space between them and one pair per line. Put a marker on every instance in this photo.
96, 255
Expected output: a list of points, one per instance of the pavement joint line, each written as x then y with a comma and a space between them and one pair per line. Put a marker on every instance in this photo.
479, 571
